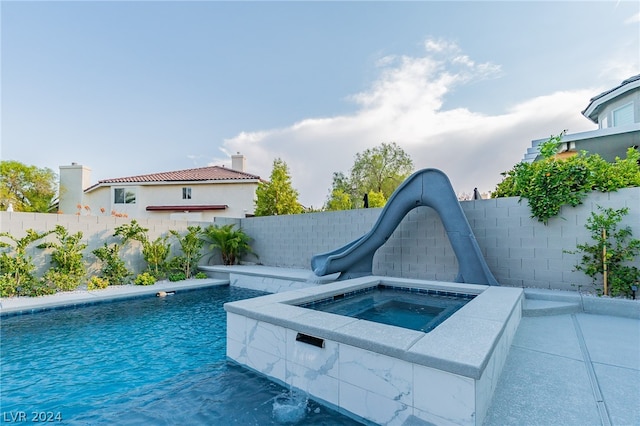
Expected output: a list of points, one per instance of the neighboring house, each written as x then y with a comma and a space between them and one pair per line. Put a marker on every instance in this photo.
194, 194
617, 114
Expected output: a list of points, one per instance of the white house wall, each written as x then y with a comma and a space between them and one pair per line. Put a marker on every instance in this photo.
239, 197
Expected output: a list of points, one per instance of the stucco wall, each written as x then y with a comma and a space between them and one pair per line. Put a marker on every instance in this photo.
238, 196
519, 250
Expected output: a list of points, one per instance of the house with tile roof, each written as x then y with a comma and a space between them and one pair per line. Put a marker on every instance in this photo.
198, 194
617, 114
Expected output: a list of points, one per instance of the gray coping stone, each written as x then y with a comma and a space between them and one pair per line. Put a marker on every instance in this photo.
556, 295
537, 308
17, 305
587, 302
304, 275
463, 346
380, 338
611, 306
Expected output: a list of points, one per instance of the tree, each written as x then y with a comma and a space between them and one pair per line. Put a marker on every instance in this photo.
339, 200
277, 197
378, 170
27, 188
376, 199
613, 253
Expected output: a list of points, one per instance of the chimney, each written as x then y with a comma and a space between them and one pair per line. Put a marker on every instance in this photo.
238, 162
74, 179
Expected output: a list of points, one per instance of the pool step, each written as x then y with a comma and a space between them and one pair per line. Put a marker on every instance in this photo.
539, 303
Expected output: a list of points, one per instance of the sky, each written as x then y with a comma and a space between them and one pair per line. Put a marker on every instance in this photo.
130, 88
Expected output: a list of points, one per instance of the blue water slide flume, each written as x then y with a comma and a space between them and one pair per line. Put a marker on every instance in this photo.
426, 187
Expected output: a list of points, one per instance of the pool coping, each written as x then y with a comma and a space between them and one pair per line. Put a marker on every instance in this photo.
69, 299
476, 327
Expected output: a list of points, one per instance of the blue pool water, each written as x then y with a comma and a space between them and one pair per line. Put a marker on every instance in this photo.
141, 361
420, 310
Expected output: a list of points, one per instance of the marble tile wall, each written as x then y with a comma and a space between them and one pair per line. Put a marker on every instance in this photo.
375, 387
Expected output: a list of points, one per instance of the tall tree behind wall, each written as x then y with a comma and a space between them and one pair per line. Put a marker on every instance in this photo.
376, 172
277, 197
27, 188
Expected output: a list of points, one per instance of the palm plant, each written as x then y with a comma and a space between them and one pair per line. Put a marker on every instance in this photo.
232, 243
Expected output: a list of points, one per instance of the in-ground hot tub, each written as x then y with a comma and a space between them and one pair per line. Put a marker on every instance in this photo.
412, 308
382, 373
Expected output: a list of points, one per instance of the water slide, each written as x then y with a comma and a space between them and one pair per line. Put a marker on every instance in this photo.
426, 187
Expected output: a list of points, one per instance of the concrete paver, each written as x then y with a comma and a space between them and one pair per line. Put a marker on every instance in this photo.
547, 380
537, 388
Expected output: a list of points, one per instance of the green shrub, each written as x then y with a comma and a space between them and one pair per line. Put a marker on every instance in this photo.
201, 276
155, 253
16, 266
145, 278
7, 286
97, 283
177, 276
550, 183
37, 288
191, 245
67, 259
113, 269
131, 231
60, 280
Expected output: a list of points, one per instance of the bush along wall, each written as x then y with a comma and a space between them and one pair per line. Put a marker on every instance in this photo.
552, 182
67, 269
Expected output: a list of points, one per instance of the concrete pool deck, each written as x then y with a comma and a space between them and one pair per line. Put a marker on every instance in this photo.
563, 367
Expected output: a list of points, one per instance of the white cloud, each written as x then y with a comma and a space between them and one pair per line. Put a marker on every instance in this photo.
634, 19
404, 105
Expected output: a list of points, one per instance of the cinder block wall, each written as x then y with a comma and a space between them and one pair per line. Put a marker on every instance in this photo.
520, 251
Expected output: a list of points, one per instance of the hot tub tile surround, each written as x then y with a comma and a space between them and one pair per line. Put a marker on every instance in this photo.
377, 372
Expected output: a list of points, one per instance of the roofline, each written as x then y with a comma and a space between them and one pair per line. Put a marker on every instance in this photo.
106, 183
596, 101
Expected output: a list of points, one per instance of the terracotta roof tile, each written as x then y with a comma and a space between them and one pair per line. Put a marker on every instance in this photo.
211, 173
202, 173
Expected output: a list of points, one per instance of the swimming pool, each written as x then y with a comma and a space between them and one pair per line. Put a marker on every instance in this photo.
141, 361
415, 309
